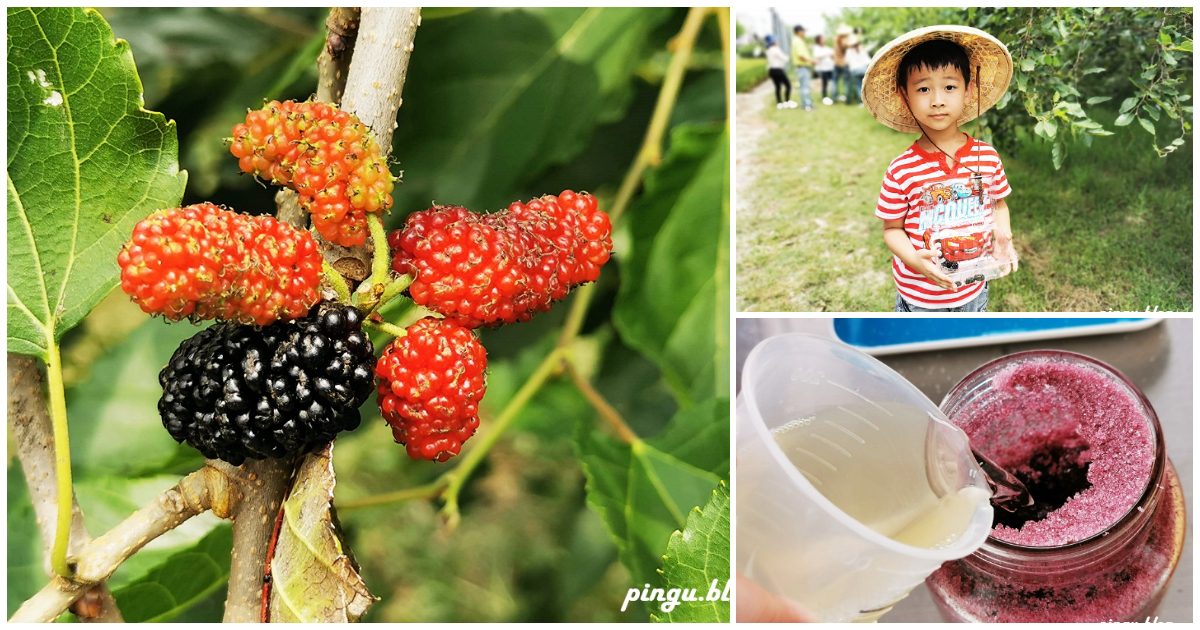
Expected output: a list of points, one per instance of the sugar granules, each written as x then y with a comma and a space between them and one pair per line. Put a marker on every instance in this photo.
1129, 590
1085, 415
1089, 421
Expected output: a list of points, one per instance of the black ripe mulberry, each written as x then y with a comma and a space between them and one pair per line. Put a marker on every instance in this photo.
235, 392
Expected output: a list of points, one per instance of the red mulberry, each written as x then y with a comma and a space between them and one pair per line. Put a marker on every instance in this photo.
326, 155
430, 383
202, 262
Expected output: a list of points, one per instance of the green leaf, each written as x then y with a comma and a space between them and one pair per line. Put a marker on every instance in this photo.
696, 558
1177, 142
1124, 119
1128, 104
672, 304
1149, 74
1051, 128
26, 574
1099, 99
182, 581
1027, 65
1147, 125
1153, 112
1186, 46
498, 96
1164, 38
1169, 58
644, 491
1057, 153
85, 163
313, 578
1087, 124
1040, 128
1092, 71
113, 416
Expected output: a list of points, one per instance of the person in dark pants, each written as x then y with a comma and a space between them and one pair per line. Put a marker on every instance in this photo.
776, 64
824, 67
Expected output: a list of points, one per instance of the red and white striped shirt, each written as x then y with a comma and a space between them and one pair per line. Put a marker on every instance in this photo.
917, 173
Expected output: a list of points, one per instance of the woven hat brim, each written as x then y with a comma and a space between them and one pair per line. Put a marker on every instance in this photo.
882, 96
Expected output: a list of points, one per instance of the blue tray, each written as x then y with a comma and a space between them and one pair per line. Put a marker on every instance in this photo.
891, 335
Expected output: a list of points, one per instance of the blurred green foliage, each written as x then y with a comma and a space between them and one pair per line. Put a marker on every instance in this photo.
750, 72
499, 105
1066, 60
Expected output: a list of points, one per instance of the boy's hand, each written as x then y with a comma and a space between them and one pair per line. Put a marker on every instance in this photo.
1003, 248
930, 270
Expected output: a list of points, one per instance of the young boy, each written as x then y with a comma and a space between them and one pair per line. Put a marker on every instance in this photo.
931, 81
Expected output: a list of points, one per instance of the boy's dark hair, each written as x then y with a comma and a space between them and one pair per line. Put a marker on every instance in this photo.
932, 55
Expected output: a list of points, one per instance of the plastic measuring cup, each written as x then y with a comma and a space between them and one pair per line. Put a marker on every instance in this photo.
852, 486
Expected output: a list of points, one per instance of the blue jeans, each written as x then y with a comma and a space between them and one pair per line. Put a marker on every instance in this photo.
856, 81
839, 73
978, 305
804, 76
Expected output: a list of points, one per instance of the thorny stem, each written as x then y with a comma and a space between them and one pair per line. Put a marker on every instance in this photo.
62, 458
601, 405
385, 327
457, 477
336, 281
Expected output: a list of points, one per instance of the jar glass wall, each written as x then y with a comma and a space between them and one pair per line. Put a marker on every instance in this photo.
1083, 563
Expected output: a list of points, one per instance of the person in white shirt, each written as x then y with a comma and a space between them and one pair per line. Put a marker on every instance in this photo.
776, 63
858, 60
824, 67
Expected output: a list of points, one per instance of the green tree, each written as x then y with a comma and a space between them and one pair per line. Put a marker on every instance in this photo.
1068, 61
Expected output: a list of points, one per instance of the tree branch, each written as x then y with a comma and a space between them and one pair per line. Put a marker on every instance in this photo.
205, 489
259, 486
381, 51
606, 411
332, 65
30, 424
380, 65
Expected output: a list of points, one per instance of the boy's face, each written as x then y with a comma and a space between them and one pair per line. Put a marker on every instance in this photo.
937, 96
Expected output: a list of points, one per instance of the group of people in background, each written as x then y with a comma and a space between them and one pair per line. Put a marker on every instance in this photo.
843, 64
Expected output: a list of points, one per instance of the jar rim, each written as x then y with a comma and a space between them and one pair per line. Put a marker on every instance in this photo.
1140, 509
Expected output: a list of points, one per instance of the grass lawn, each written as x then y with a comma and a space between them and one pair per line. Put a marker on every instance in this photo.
1111, 230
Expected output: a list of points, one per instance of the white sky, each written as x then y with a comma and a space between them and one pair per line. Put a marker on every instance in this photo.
810, 15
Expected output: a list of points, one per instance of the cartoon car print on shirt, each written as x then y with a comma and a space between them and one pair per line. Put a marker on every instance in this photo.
961, 191
937, 193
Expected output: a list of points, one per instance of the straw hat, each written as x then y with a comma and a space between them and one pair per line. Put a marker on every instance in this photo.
844, 29
883, 97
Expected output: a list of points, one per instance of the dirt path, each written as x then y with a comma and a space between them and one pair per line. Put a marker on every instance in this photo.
750, 129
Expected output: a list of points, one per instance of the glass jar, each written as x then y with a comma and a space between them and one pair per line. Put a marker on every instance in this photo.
1117, 574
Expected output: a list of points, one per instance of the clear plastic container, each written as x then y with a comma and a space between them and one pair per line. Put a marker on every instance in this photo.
852, 486
955, 218
1120, 572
